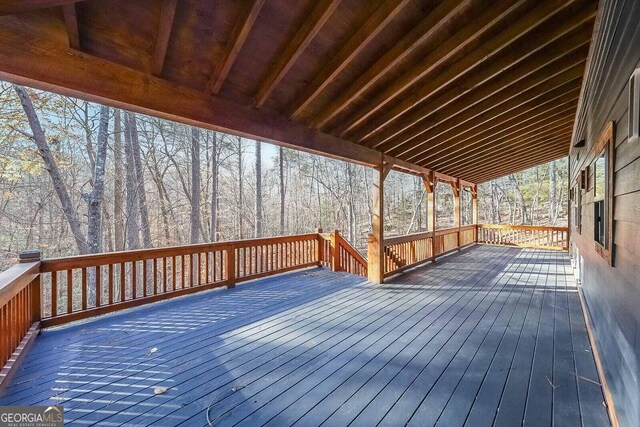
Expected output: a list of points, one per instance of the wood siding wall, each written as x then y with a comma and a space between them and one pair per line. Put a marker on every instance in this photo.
612, 292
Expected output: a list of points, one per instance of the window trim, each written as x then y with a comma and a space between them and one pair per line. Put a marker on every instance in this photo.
606, 144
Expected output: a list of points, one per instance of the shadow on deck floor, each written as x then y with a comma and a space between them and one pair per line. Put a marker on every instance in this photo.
491, 335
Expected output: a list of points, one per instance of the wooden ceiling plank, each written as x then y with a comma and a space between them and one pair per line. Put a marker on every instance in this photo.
558, 127
528, 163
487, 122
305, 34
44, 64
461, 41
458, 151
167, 13
429, 27
71, 22
495, 129
477, 69
385, 13
511, 157
10, 7
514, 81
234, 46
492, 107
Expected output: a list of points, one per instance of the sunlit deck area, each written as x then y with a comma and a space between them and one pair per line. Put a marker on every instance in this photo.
488, 335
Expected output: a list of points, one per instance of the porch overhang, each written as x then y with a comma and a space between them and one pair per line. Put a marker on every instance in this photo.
466, 89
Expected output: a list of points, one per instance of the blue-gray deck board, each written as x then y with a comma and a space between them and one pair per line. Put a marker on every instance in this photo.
490, 335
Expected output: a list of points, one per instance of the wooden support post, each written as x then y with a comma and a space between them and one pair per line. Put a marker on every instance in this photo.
320, 252
375, 249
36, 291
335, 251
474, 202
231, 267
457, 212
429, 182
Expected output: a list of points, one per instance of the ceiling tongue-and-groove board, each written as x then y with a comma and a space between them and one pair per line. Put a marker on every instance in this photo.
467, 88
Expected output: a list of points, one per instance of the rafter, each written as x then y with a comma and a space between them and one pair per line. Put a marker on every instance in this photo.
438, 20
464, 40
496, 129
167, 14
489, 95
553, 130
491, 141
529, 162
305, 34
476, 68
236, 41
414, 144
385, 13
71, 22
509, 158
9, 7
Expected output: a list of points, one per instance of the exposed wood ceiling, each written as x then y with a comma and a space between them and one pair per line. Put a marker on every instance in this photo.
468, 88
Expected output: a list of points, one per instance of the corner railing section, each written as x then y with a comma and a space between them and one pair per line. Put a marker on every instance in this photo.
19, 312
530, 236
340, 255
407, 251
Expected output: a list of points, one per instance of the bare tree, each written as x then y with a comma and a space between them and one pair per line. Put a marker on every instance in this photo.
141, 192
94, 199
258, 221
118, 187
282, 188
214, 188
60, 187
131, 201
195, 185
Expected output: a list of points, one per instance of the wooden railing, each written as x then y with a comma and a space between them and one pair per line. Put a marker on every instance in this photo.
339, 255
19, 312
404, 252
525, 236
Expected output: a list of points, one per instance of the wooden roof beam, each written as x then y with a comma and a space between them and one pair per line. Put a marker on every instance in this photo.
71, 22
465, 39
10, 7
437, 21
234, 45
511, 157
491, 108
385, 13
512, 128
551, 33
305, 34
167, 13
556, 129
540, 159
514, 82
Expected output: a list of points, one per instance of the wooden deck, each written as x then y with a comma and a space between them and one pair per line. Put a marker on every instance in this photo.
491, 335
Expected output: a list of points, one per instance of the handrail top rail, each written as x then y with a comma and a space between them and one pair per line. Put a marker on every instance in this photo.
426, 234
91, 260
16, 278
523, 227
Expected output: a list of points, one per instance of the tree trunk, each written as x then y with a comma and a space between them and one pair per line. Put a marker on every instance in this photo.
282, 189
131, 201
94, 199
141, 192
214, 189
118, 187
51, 166
258, 222
553, 214
520, 199
195, 185
240, 192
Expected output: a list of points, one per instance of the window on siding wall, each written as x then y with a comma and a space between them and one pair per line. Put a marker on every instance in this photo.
602, 168
599, 192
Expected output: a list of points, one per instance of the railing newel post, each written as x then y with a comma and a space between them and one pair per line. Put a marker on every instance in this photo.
335, 251
36, 285
231, 267
320, 249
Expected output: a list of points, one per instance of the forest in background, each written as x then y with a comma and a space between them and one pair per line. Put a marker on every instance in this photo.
77, 177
